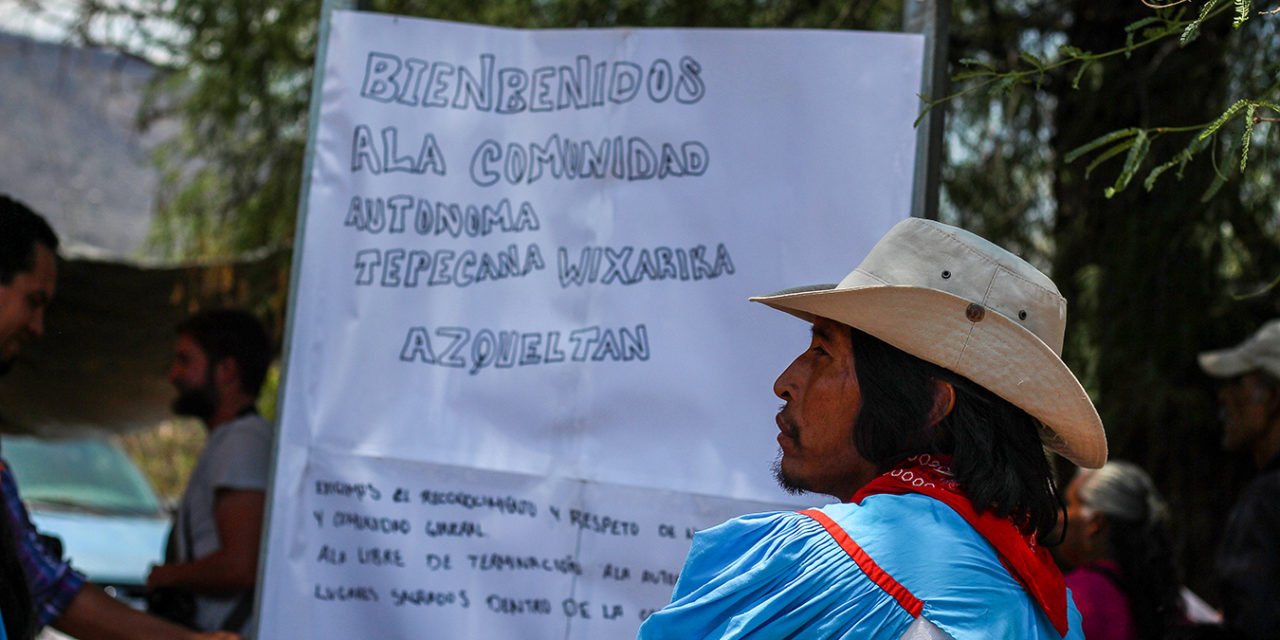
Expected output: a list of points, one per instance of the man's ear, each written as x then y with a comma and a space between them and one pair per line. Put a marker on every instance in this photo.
1095, 524
1265, 392
227, 372
944, 400
1271, 393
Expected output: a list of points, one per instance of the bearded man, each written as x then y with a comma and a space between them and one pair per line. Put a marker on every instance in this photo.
220, 361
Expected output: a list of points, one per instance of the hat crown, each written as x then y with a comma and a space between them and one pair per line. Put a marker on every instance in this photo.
927, 254
1266, 341
1260, 351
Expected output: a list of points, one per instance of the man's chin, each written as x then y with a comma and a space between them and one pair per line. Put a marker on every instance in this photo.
788, 483
188, 407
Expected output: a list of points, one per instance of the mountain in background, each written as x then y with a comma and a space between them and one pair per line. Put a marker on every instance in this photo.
69, 145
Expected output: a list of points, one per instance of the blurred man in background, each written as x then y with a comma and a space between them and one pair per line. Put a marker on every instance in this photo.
220, 361
50, 591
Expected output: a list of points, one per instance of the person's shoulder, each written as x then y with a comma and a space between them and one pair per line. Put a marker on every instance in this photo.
884, 530
775, 528
1261, 493
252, 423
751, 528
894, 515
914, 536
246, 431
1091, 584
758, 542
776, 574
238, 454
1267, 481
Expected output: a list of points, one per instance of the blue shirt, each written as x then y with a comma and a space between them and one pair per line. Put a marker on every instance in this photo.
53, 583
781, 574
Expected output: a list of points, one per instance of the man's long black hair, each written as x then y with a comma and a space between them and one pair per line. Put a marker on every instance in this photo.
998, 458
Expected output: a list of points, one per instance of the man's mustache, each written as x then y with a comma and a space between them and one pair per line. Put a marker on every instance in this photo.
785, 423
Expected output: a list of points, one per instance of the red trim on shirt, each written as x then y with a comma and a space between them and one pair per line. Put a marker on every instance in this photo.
912, 604
1020, 553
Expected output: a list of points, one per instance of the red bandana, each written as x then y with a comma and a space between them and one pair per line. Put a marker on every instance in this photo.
1025, 560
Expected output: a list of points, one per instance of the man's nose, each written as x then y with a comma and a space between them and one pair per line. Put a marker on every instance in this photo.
784, 384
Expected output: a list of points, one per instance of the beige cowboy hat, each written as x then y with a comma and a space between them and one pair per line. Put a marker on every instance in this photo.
949, 297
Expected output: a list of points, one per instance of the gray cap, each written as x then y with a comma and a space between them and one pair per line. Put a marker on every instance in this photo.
1261, 351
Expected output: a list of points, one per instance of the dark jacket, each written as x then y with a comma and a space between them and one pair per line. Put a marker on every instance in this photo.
1248, 560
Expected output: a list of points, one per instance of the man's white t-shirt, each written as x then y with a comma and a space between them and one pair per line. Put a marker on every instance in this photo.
236, 456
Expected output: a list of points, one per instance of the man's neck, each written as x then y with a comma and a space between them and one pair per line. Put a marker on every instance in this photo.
228, 411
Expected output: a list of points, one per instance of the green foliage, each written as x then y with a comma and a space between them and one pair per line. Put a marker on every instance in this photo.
1231, 111
232, 178
1101, 141
1140, 145
1137, 153
1152, 275
268, 397
166, 454
1248, 135
1179, 160
1243, 7
1136, 141
1192, 29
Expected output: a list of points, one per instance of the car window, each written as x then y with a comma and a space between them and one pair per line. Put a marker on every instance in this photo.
89, 474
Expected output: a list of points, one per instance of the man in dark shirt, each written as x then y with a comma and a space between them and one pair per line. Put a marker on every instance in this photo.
1248, 560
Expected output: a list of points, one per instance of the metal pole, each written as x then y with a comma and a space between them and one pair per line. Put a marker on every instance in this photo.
327, 8
933, 19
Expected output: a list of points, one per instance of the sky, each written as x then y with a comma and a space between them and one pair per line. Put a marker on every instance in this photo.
51, 22
16, 17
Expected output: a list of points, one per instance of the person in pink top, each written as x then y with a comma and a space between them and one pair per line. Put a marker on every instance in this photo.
1118, 555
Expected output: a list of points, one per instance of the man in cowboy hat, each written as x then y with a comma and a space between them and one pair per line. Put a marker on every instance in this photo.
1248, 563
924, 403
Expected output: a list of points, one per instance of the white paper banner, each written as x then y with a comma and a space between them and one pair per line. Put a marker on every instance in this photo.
528, 255
394, 548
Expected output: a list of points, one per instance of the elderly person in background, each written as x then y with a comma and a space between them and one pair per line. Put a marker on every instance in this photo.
1119, 555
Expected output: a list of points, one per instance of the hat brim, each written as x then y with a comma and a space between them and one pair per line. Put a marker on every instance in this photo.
995, 353
1226, 363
